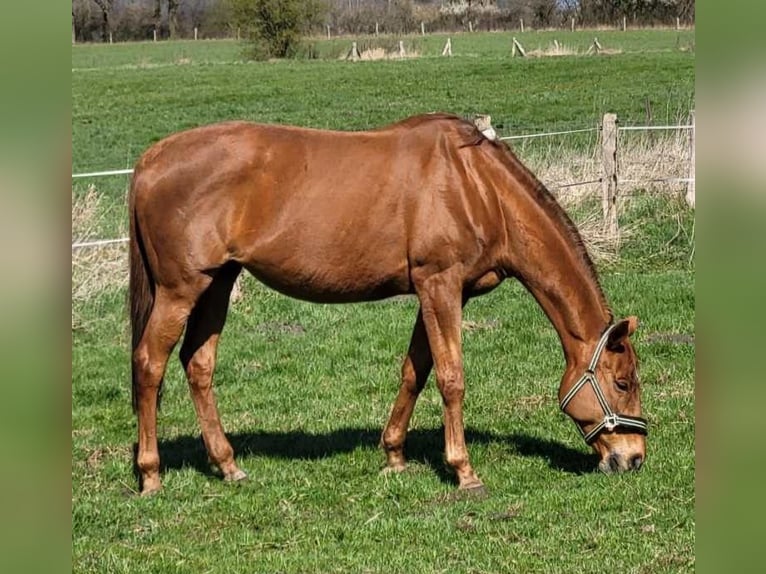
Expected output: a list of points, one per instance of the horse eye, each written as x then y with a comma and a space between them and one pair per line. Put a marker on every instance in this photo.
622, 385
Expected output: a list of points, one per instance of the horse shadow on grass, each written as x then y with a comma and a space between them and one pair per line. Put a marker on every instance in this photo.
423, 445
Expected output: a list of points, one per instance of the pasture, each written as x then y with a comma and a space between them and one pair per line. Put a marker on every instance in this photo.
304, 390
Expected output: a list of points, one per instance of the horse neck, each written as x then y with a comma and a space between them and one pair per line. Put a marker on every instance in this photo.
546, 254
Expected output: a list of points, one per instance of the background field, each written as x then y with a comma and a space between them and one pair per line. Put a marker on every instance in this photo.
305, 389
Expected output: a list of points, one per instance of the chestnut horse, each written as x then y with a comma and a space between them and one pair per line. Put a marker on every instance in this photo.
428, 206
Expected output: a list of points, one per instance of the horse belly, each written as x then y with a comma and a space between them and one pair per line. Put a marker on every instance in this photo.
320, 282
330, 263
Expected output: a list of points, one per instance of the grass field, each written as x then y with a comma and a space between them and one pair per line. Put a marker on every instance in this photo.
304, 390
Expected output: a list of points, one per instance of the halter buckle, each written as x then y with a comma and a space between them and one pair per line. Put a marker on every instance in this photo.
610, 422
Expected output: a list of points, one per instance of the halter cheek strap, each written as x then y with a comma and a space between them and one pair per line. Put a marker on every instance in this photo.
611, 419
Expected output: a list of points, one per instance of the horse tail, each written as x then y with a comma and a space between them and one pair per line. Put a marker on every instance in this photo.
140, 288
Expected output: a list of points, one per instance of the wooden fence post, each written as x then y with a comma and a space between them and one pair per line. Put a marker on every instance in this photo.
195, 32
470, 26
517, 49
690, 187
678, 23
573, 24
447, 51
423, 28
155, 34
377, 29
609, 175
328, 31
402, 53
594, 47
354, 55
624, 23
521, 20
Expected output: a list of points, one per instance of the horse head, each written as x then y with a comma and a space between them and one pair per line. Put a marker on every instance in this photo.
604, 400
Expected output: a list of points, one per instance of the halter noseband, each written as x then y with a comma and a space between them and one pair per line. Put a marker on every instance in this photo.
611, 419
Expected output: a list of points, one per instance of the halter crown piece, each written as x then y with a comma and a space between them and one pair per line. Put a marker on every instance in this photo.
611, 419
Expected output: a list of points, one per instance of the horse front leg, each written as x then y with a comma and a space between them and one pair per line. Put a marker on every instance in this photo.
441, 302
415, 370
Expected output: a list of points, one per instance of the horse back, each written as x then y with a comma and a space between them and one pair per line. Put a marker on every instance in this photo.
317, 214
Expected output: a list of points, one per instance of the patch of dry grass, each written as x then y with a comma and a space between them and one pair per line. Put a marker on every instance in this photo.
94, 269
647, 163
555, 48
382, 54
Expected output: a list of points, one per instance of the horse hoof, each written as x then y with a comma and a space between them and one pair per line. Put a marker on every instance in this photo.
238, 475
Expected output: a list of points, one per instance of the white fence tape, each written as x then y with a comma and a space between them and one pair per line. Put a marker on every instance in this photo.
528, 136
98, 243
647, 128
103, 173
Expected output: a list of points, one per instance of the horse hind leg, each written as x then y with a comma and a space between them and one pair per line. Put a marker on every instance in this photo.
415, 370
198, 356
164, 328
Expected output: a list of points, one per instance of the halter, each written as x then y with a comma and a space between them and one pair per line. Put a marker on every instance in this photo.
611, 419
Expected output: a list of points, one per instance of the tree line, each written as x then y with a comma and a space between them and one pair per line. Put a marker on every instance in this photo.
126, 20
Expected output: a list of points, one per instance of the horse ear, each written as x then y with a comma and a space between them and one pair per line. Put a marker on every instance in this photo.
621, 332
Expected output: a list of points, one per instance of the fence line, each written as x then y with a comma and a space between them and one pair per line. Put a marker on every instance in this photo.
647, 128
128, 171
614, 177
527, 136
98, 243
577, 183
103, 173
659, 180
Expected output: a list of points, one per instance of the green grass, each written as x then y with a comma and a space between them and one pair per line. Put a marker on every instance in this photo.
304, 390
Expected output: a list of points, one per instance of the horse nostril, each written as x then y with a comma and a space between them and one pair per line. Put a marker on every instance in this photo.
636, 462
614, 462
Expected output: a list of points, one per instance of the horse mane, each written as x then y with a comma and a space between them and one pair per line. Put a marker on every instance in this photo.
471, 136
468, 135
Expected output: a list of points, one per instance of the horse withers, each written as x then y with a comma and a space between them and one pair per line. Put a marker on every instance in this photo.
429, 206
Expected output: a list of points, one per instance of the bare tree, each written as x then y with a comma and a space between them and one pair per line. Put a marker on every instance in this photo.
173, 6
106, 9
157, 16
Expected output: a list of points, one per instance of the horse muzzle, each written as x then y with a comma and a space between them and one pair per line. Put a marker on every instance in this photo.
616, 462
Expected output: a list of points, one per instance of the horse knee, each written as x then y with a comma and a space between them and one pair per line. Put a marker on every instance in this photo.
199, 370
452, 386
